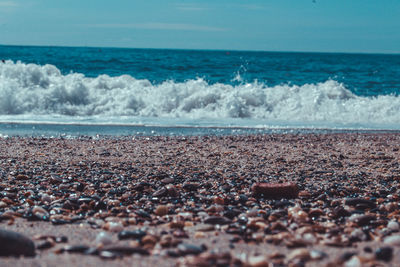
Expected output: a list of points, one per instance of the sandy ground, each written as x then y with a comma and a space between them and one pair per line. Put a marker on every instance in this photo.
199, 191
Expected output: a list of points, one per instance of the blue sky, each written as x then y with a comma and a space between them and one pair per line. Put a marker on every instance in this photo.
270, 25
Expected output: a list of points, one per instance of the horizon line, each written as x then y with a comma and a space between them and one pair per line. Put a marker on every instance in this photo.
208, 49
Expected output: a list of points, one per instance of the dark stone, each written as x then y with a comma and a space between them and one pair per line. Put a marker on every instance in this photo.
217, 220
136, 234
143, 214
61, 239
45, 245
361, 202
340, 212
364, 220
190, 186
161, 192
384, 253
91, 251
347, 256
59, 221
15, 244
76, 249
190, 249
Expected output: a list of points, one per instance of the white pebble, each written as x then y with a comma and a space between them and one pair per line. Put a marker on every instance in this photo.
393, 240
353, 262
46, 198
394, 226
104, 238
358, 233
115, 226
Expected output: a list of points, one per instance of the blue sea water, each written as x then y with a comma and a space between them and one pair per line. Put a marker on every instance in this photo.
65, 90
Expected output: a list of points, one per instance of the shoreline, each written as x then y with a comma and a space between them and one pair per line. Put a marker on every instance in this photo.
123, 131
193, 198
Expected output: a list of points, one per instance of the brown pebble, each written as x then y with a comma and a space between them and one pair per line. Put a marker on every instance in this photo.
275, 190
161, 210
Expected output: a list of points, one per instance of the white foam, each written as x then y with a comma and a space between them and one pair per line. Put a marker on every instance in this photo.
34, 92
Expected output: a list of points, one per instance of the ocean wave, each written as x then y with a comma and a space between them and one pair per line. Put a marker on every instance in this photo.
30, 89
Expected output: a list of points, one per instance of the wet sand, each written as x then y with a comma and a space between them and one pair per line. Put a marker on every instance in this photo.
190, 201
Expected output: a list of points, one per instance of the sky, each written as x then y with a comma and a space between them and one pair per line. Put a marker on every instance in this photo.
366, 26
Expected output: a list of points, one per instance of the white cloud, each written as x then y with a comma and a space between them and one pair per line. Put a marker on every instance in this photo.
189, 7
8, 4
162, 26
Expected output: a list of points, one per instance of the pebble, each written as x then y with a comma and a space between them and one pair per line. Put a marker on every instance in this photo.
356, 201
125, 250
114, 226
393, 240
161, 210
176, 199
275, 190
135, 234
384, 253
190, 249
353, 262
300, 253
15, 244
394, 226
76, 249
107, 255
103, 238
217, 220
258, 261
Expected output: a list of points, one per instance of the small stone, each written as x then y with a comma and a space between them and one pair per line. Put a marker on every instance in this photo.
22, 177
149, 239
161, 210
300, 253
190, 249
15, 244
217, 220
218, 200
161, 192
358, 235
114, 226
76, 249
393, 240
46, 244
126, 250
357, 201
384, 253
394, 226
107, 255
104, 238
172, 191
177, 224
317, 254
258, 261
275, 190
40, 213
361, 219
353, 262
199, 235
3, 204
136, 234
190, 186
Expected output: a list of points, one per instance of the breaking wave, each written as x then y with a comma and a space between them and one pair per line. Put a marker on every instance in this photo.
34, 90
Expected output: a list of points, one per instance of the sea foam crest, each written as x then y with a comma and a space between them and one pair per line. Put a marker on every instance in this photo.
43, 90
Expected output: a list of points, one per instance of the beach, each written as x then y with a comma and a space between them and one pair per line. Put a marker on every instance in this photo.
203, 200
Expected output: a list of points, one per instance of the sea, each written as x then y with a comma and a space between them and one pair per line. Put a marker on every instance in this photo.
87, 91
